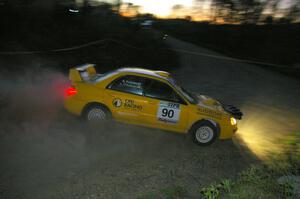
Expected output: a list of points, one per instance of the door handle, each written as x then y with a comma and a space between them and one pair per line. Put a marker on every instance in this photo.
151, 102
112, 95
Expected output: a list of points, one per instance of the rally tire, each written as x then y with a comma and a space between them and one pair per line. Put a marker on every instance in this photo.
204, 133
97, 113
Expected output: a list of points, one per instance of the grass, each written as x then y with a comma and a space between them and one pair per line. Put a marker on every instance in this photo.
260, 180
257, 181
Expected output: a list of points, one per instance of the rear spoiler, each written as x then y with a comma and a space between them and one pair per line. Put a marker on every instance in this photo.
82, 73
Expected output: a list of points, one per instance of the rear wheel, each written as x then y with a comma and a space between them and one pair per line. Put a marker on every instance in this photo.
204, 133
97, 113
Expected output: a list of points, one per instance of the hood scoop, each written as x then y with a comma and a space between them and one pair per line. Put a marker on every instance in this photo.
208, 101
235, 112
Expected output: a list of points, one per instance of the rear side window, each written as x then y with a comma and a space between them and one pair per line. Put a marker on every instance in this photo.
128, 84
159, 90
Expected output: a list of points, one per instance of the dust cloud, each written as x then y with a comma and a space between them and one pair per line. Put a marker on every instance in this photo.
36, 94
264, 130
42, 145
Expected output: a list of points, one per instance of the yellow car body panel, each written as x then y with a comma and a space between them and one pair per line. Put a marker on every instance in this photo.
139, 109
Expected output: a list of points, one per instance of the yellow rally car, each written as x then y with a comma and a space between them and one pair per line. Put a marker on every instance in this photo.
148, 98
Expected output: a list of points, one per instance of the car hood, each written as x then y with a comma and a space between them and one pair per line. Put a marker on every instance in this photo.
208, 102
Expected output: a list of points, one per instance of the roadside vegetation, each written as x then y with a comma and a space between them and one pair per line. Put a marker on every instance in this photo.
275, 177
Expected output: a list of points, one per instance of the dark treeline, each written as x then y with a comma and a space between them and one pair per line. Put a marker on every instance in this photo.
277, 44
31, 26
252, 11
265, 31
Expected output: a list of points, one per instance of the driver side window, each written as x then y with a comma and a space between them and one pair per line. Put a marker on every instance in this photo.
160, 90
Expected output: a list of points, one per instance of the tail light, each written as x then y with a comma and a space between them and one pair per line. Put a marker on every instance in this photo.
70, 91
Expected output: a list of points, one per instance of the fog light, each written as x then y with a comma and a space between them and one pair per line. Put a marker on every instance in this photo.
233, 121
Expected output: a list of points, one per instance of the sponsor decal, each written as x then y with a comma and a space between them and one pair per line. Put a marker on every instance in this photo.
132, 84
131, 105
168, 112
209, 112
117, 102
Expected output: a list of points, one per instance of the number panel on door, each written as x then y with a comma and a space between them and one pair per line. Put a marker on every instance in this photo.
168, 112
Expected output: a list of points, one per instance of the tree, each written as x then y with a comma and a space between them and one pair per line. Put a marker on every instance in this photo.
269, 20
117, 5
130, 10
247, 11
294, 13
188, 18
243, 11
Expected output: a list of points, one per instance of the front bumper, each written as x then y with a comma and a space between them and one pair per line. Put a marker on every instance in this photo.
227, 131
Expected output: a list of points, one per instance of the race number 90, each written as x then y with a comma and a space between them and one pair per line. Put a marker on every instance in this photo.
167, 113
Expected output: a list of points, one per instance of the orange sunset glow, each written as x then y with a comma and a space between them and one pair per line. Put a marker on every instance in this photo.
195, 10
168, 9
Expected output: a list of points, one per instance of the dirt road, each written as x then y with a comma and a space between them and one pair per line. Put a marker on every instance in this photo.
45, 153
269, 100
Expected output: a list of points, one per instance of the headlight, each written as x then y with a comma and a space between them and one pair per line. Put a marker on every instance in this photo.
232, 121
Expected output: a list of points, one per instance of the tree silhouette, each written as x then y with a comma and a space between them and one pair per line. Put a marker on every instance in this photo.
249, 11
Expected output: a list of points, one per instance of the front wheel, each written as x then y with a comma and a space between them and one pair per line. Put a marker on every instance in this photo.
204, 133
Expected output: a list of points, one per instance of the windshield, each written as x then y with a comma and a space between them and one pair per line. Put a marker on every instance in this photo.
188, 95
191, 96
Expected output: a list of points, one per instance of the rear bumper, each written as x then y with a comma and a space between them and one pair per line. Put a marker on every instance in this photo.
74, 106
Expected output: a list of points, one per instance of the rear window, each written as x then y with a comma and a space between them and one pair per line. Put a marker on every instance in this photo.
101, 77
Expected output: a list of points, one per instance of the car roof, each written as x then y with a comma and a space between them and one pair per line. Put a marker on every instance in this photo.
158, 74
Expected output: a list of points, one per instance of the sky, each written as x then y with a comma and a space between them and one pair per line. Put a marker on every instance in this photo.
163, 8
159, 7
